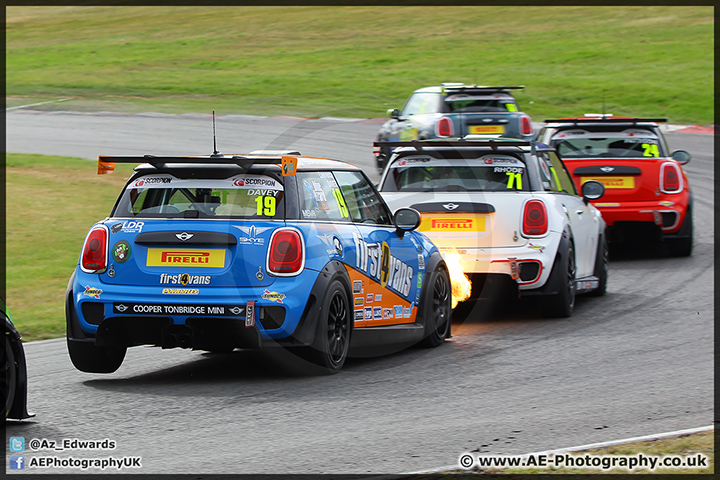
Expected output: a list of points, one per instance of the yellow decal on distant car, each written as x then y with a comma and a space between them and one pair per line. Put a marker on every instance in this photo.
650, 150
486, 129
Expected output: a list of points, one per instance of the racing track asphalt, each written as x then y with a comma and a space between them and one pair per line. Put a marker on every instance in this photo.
636, 362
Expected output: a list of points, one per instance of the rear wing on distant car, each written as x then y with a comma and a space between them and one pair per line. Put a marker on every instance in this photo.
605, 120
493, 143
106, 163
477, 89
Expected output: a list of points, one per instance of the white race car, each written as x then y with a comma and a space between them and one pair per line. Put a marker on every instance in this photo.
509, 208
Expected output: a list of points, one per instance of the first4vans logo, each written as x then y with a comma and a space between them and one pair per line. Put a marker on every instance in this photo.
185, 279
377, 262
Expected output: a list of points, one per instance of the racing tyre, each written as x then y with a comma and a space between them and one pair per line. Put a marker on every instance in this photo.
601, 267
561, 304
438, 305
682, 247
92, 359
332, 337
9, 375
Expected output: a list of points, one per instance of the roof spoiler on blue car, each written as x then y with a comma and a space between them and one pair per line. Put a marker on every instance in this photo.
106, 163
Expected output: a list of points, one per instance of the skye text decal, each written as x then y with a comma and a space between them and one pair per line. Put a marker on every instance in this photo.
377, 262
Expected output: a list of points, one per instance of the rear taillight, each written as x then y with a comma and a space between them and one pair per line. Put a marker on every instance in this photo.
535, 219
94, 252
526, 125
444, 127
670, 178
287, 253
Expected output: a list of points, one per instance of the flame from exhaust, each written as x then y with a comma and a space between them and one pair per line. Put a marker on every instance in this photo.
461, 286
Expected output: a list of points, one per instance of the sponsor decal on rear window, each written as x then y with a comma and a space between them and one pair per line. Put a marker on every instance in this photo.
502, 160
246, 182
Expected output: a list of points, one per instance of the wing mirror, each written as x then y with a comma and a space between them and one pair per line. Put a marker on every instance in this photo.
406, 220
592, 190
394, 113
681, 156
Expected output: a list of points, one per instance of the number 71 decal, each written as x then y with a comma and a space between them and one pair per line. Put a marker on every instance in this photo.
514, 178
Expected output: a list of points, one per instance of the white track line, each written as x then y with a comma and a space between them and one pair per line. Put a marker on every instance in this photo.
41, 103
657, 436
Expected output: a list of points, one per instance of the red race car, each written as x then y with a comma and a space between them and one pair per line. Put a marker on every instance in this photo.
647, 195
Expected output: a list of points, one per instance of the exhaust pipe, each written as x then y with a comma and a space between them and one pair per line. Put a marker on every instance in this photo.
185, 341
170, 340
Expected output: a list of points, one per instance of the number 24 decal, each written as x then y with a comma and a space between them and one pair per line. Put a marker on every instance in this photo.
650, 150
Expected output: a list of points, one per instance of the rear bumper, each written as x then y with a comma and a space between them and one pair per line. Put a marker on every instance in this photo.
667, 218
136, 315
528, 265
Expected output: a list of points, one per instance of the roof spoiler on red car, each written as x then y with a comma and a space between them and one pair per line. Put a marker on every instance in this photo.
106, 163
603, 119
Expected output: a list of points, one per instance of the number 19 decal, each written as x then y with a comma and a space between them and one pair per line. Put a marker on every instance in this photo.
265, 205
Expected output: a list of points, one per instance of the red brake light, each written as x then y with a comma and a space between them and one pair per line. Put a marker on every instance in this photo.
444, 127
535, 219
526, 125
670, 178
94, 253
286, 255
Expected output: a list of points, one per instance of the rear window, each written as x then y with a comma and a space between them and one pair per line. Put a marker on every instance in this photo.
477, 105
635, 143
489, 173
164, 196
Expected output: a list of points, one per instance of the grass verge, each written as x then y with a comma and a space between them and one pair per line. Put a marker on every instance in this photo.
45, 232
359, 61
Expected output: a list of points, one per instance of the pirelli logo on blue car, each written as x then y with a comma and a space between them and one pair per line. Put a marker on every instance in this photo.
185, 257
377, 262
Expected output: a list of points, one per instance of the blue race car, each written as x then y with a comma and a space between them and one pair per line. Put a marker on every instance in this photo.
250, 251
